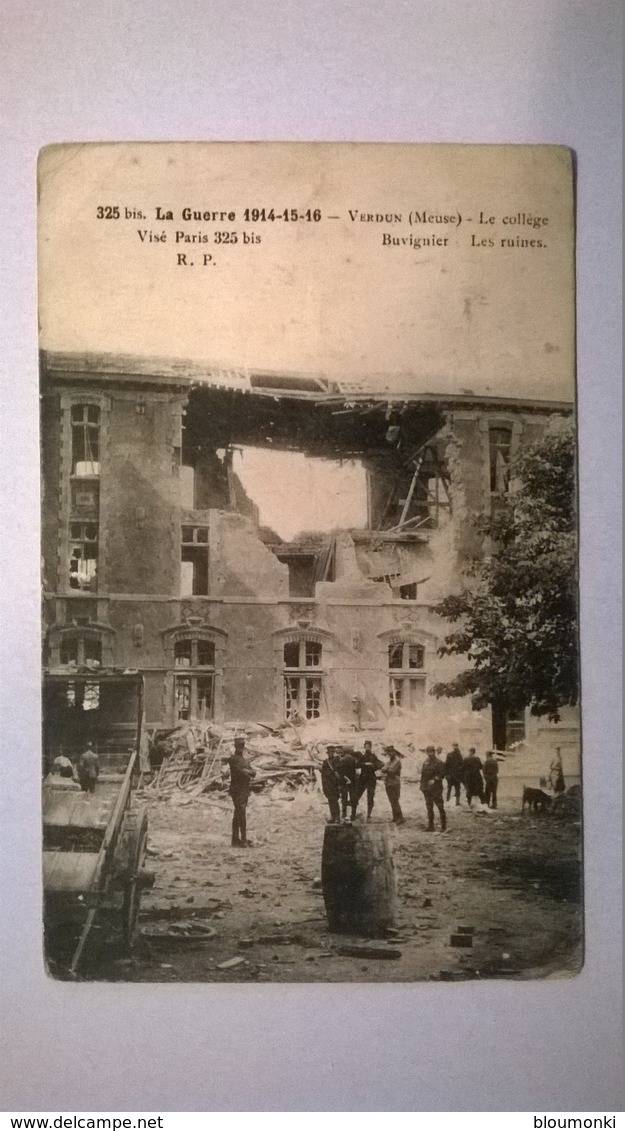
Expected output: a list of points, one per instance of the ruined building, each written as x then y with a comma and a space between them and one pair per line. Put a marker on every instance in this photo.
156, 557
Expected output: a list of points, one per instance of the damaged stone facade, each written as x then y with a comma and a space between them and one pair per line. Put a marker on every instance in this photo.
155, 557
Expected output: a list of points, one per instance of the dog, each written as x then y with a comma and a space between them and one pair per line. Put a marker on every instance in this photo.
536, 800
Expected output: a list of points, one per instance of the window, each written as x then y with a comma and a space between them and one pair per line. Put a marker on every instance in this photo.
80, 649
194, 692
84, 696
407, 677
302, 691
85, 420
499, 446
83, 555
194, 562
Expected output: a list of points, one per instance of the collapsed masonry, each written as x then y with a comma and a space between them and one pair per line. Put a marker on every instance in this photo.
156, 556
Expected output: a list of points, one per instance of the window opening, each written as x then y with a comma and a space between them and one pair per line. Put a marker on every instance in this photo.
183, 654
69, 651
85, 421
194, 562
194, 692
302, 692
406, 691
80, 650
312, 654
499, 447
83, 555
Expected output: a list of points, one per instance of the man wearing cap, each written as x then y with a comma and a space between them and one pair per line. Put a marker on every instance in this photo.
454, 770
241, 774
392, 782
331, 784
88, 769
472, 774
431, 785
348, 769
490, 769
368, 764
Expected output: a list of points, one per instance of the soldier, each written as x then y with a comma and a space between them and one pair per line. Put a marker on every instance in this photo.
431, 785
472, 775
88, 769
331, 784
556, 773
369, 763
348, 768
241, 774
392, 782
491, 774
454, 771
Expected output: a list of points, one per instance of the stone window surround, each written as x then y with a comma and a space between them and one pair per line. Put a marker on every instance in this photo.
297, 634
410, 635
189, 631
69, 400
58, 634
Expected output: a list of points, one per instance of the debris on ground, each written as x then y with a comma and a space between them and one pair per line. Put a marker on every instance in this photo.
369, 951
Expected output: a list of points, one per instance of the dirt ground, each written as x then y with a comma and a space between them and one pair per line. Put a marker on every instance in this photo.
510, 883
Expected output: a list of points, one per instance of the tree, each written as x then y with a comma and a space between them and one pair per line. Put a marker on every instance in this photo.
517, 614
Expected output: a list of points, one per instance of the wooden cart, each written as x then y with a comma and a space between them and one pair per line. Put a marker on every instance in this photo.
94, 844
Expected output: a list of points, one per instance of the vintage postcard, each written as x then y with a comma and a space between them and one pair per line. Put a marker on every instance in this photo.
310, 666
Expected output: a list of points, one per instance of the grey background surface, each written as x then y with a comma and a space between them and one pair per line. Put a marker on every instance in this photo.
451, 70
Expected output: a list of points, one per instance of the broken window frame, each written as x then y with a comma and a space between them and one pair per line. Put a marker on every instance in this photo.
85, 424
303, 690
84, 538
407, 676
500, 438
194, 543
194, 682
80, 644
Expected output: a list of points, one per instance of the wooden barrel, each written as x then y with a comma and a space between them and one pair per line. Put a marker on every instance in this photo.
358, 879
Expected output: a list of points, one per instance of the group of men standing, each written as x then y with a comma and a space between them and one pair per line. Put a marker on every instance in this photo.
347, 774
479, 778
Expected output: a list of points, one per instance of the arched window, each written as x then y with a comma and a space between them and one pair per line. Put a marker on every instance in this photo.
194, 677
78, 647
406, 667
85, 420
303, 674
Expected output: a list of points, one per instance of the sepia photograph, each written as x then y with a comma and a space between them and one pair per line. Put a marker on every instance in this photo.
310, 677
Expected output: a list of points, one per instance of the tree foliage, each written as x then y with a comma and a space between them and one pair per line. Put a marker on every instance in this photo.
516, 616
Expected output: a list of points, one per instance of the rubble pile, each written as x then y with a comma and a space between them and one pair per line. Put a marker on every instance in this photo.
193, 757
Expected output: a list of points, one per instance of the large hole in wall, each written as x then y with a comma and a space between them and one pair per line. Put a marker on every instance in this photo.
299, 495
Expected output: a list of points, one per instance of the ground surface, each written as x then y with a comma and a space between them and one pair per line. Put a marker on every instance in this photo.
515, 880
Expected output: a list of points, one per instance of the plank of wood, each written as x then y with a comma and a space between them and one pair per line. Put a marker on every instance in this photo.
80, 810
69, 871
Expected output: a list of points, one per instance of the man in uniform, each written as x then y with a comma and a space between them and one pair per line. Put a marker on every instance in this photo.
454, 771
392, 782
241, 774
331, 784
368, 764
472, 774
88, 769
348, 768
431, 785
490, 770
